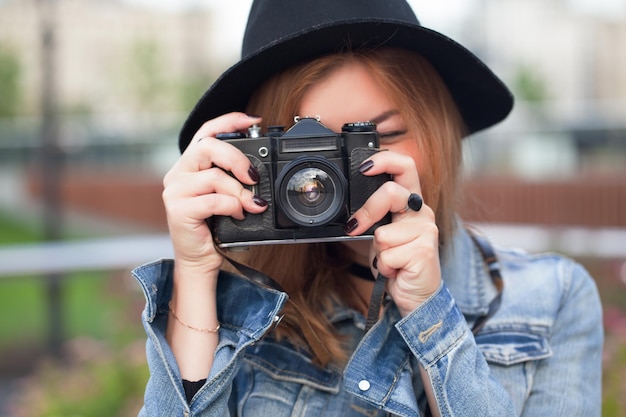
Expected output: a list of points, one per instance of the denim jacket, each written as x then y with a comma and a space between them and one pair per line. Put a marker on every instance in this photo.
540, 354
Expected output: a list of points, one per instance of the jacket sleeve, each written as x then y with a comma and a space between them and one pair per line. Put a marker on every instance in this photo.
437, 336
569, 381
164, 394
564, 380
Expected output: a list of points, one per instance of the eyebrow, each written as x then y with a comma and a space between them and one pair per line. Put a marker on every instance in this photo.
386, 115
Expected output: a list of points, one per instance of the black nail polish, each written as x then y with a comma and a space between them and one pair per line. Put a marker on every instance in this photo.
375, 262
352, 224
254, 174
366, 166
259, 201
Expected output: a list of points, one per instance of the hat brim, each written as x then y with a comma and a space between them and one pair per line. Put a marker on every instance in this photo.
483, 100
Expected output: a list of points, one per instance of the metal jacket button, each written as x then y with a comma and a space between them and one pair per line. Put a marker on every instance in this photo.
364, 385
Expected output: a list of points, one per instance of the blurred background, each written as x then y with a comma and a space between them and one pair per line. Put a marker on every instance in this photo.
93, 93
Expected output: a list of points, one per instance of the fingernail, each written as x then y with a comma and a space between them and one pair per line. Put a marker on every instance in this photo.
254, 174
253, 116
366, 166
259, 201
351, 225
375, 263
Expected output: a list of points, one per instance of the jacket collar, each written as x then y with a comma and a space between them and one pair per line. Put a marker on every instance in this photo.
465, 273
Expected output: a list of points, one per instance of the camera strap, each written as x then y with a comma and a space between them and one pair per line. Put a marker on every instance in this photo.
376, 301
491, 263
318, 348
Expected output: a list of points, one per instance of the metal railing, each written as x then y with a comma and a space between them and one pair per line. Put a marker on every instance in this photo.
117, 253
113, 253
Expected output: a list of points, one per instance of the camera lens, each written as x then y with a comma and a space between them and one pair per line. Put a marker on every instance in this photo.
311, 191
308, 186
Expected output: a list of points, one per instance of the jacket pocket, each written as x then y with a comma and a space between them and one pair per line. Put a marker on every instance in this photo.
285, 363
512, 345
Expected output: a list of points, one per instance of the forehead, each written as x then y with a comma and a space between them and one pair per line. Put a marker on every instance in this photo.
348, 94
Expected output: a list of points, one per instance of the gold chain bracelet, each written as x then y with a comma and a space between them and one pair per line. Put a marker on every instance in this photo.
190, 326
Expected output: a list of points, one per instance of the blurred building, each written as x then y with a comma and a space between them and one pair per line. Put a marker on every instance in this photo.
571, 53
564, 62
110, 55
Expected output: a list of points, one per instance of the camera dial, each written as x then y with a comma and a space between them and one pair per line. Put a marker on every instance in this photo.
359, 127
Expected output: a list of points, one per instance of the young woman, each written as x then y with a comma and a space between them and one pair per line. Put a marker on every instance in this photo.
463, 329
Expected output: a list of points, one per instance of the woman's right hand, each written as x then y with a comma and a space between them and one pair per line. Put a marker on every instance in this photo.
198, 187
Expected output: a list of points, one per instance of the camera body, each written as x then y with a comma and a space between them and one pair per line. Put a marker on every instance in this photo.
310, 178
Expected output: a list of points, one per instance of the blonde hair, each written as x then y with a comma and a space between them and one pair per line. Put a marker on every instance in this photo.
310, 273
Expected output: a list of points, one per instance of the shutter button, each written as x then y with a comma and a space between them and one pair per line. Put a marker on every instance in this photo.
364, 385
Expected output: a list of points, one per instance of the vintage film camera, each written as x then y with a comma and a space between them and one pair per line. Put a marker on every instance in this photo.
310, 179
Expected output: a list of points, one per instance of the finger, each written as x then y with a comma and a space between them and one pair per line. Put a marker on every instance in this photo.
206, 151
209, 205
212, 152
408, 253
231, 122
414, 203
214, 182
184, 184
401, 167
400, 233
389, 197
208, 181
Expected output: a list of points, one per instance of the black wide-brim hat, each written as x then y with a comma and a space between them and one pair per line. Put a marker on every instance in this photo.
282, 33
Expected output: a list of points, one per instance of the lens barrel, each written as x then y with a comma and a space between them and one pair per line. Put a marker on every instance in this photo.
311, 191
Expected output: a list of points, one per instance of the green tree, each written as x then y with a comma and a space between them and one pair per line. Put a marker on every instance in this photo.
529, 85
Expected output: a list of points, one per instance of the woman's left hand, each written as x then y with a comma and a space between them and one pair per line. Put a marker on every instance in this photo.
406, 251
